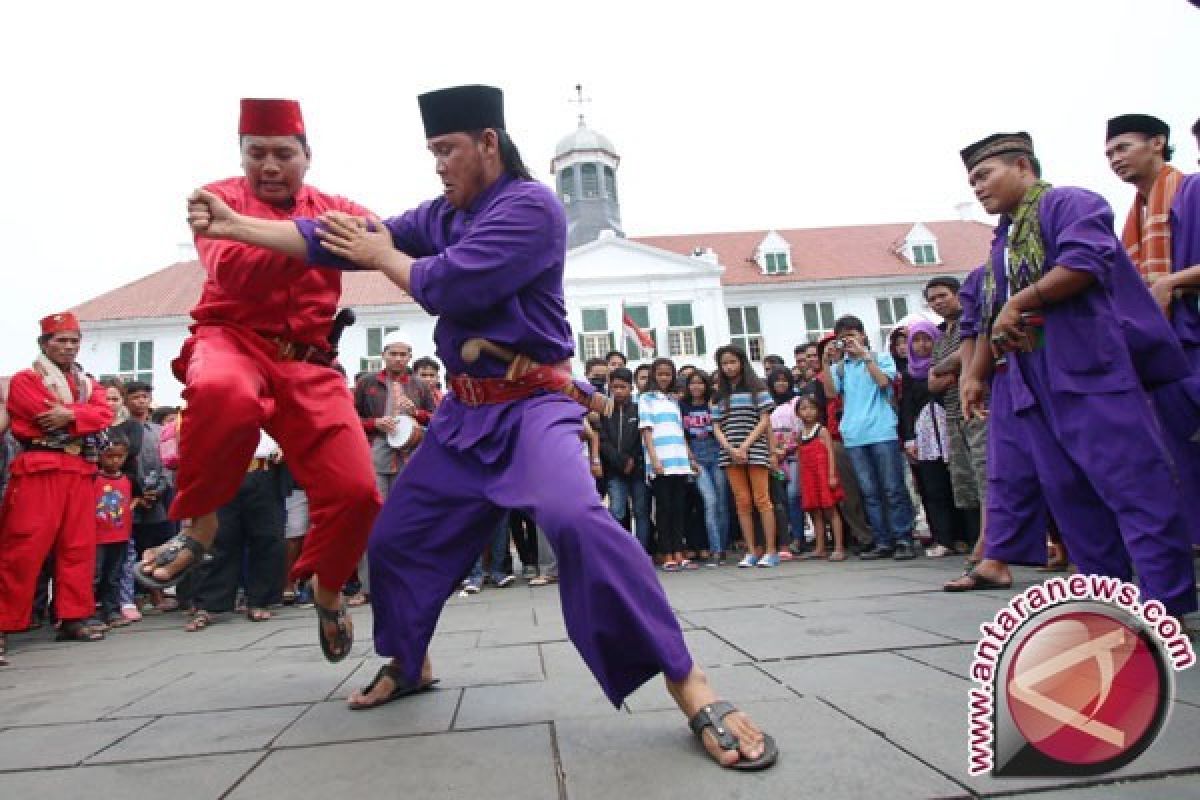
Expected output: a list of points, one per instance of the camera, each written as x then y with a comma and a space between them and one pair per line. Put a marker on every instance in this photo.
838, 344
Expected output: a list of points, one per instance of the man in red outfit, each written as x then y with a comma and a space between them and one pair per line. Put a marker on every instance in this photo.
259, 357
55, 411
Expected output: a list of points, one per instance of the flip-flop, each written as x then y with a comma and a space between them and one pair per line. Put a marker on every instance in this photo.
402, 689
345, 636
76, 631
978, 583
166, 556
712, 716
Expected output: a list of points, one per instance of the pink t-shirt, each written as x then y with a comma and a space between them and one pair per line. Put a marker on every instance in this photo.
785, 427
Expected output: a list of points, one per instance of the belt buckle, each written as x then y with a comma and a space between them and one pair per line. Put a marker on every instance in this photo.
287, 349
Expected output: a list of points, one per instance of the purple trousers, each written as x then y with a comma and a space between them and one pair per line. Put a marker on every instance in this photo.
1178, 408
444, 508
1098, 463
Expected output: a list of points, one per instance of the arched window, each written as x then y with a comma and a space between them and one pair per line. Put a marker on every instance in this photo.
566, 184
590, 178
610, 184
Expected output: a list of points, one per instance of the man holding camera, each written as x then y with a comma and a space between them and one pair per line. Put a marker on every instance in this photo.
869, 429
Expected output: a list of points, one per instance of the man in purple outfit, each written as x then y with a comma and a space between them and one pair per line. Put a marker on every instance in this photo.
489, 258
1069, 421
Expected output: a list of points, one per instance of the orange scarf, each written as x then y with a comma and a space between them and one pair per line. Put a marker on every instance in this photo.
1147, 233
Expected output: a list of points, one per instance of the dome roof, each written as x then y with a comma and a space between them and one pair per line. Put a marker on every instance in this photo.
583, 138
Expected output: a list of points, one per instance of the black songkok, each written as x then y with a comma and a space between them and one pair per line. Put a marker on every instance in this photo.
995, 145
1137, 123
460, 109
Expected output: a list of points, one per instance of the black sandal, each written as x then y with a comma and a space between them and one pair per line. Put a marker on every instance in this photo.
345, 636
401, 689
77, 631
166, 556
3, 649
712, 716
978, 582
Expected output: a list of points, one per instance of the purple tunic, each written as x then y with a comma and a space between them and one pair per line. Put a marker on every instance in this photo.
1185, 252
495, 270
1075, 410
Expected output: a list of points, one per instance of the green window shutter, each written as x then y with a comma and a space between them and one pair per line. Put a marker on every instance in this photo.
595, 320
901, 304
700, 348
579, 353
640, 316
783, 262
735, 321
654, 338
827, 315
632, 351
612, 341
883, 307
752, 323
374, 341
679, 315
127, 360
145, 355
811, 320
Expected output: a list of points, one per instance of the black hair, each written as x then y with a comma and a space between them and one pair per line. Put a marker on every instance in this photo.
773, 357
808, 398
621, 374
749, 382
117, 440
708, 386
510, 156
947, 281
798, 349
662, 361
1196, 127
425, 361
594, 362
775, 375
113, 383
1011, 158
162, 412
849, 322
608, 356
138, 386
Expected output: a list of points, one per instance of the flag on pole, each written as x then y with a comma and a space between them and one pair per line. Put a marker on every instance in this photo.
639, 337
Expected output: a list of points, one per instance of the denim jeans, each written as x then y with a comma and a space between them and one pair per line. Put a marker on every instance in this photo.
880, 471
620, 489
794, 501
499, 548
714, 490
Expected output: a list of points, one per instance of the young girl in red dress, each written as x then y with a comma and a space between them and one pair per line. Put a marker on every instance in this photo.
819, 484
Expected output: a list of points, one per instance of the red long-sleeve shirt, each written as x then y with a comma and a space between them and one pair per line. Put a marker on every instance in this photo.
28, 397
262, 290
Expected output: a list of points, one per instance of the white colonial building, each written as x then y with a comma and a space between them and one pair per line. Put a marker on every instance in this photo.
765, 290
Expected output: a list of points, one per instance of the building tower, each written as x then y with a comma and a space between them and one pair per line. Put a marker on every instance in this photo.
585, 165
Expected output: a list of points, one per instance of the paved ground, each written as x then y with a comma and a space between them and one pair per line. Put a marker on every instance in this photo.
859, 670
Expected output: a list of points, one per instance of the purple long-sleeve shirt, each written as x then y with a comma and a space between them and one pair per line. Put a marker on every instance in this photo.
1185, 252
493, 270
1110, 337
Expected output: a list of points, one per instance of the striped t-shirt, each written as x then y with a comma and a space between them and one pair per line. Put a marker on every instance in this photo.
745, 411
660, 414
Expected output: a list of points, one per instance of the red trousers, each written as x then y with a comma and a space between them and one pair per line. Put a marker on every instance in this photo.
235, 387
47, 510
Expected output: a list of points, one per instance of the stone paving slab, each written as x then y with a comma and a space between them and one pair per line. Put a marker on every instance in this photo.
482, 666
892, 713
835, 676
1185, 787
183, 779
744, 684
332, 721
514, 762
60, 745
524, 703
825, 755
770, 633
206, 733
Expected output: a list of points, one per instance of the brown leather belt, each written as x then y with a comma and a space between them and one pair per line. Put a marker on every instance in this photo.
287, 350
526, 378
259, 465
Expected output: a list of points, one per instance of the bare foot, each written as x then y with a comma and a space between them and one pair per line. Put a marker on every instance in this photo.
693, 693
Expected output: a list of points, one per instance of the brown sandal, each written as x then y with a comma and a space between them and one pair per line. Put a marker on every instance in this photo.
76, 631
199, 621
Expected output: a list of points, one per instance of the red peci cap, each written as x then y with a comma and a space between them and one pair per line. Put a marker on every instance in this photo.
57, 323
270, 117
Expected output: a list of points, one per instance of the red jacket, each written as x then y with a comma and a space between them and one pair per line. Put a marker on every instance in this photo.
263, 290
28, 397
370, 399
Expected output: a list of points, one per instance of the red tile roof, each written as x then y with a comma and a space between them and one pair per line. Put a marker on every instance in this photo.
173, 291
857, 251
854, 251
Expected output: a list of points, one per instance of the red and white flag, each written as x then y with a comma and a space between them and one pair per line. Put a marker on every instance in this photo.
638, 336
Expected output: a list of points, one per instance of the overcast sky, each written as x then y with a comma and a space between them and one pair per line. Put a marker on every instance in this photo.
727, 116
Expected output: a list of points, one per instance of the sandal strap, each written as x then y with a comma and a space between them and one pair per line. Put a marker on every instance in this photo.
713, 716
386, 671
